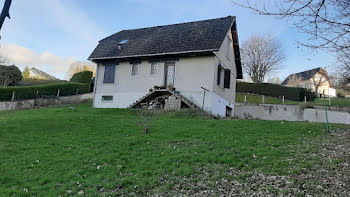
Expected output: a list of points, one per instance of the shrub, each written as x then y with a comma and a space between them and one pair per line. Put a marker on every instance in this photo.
10, 75
35, 82
82, 77
30, 92
274, 90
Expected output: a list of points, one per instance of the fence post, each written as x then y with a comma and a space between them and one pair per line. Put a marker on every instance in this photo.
245, 99
76, 93
263, 99
13, 96
58, 93
329, 100
283, 100
305, 99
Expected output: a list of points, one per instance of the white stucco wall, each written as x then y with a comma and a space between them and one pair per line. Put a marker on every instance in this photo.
191, 74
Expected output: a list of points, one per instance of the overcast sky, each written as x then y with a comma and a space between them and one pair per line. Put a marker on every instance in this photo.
51, 34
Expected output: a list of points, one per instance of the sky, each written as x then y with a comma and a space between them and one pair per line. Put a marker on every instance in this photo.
52, 34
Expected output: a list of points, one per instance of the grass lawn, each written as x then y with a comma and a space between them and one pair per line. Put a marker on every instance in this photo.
75, 150
272, 100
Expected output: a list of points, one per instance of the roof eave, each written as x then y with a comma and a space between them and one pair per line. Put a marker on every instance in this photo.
153, 55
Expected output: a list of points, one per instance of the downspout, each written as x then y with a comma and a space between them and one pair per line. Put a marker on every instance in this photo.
95, 85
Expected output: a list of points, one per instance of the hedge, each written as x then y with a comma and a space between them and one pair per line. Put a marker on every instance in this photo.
274, 90
48, 90
82, 77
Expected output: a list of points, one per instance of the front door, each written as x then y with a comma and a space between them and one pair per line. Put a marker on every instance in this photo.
169, 74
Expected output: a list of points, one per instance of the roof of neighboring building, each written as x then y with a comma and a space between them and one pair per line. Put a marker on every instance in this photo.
198, 36
305, 75
41, 74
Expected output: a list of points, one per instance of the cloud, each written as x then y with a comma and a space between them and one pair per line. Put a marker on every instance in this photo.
71, 19
22, 56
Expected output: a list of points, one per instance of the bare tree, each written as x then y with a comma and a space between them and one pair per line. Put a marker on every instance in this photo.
5, 12
145, 118
262, 55
326, 21
275, 80
344, 67
81, 66
294, 80
318, 79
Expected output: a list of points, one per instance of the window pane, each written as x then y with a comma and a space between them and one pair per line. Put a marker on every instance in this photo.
222, 77
109, 74
107, 98
154, 68
135, 69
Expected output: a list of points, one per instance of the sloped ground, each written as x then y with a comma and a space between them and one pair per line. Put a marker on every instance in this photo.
329, 176
77, 150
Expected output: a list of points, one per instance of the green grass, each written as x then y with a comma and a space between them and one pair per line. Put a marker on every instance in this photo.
54, 150
257, 99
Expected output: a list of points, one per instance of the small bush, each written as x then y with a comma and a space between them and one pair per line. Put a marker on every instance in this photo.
82, 77
30, 92
274, 90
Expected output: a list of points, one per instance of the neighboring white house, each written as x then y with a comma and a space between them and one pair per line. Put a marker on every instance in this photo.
35, 73
185, 57
316, 80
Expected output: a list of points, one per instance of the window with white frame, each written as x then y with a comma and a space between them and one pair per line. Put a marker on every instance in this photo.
135, 69
228, 50
221, 76
154, 68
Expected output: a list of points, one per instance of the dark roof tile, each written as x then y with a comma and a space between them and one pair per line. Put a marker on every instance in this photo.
206, 35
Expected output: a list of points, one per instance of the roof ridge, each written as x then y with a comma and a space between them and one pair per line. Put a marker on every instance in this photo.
168, 25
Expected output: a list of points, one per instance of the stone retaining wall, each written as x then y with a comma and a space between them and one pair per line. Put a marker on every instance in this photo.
290, 113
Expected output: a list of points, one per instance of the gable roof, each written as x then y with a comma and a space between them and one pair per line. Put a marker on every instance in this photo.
305, 75
199, 36
41, 74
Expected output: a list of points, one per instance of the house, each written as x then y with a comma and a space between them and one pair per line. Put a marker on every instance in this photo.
35, 73
175, 66
316, 80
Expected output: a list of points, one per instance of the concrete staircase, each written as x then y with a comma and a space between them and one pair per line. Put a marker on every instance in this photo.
156, 93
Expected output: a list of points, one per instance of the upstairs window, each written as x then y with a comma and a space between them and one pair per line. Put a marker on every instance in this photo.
224, 77
109, 74
154, 68
135, 69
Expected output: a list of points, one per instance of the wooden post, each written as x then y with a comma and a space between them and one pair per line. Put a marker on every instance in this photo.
283, 100
58, 93
245, 99
305, 99
263, 99
76, 93
13, 96
329, 101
